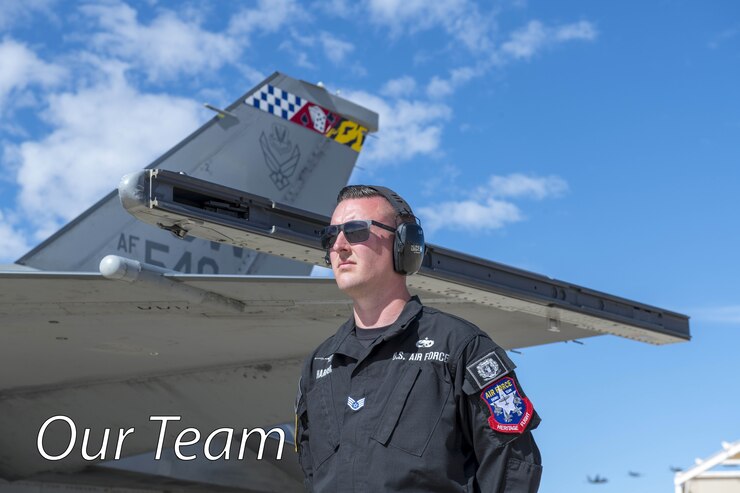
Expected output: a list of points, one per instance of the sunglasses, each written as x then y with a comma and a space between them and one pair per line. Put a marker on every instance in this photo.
355, 231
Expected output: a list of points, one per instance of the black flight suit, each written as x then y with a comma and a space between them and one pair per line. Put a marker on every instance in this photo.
414, 411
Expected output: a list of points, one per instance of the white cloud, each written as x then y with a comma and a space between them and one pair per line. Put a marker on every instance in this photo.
518, 185
174, 43
468, 26
407, 127
535, 36
490, 206
464, 74
301, 60
729, 314
521, 45
13, 242
582, 30
17, 12
99, 133
461, 19
345, 9
472, 28
20, 68
334, 48
168, 47
470, 215
299, 57
439, 88
403, 86
268, 16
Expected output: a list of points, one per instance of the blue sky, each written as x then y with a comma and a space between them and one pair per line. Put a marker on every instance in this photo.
594, 142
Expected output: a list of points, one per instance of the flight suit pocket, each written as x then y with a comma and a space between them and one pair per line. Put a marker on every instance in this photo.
323, 434
413, 410
522, 476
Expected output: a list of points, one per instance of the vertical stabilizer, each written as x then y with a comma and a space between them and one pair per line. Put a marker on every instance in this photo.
285, 139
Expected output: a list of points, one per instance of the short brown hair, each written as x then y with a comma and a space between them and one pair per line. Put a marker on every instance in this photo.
358, 192
368, 191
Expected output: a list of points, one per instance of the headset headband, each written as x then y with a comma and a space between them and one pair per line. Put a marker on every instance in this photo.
398, 203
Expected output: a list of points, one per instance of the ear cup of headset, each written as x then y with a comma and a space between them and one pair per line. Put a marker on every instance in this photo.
408, 248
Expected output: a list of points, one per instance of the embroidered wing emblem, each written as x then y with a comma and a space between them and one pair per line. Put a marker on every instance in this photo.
355, 405
423, 343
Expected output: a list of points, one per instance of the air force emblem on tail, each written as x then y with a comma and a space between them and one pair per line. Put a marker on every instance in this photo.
281, 155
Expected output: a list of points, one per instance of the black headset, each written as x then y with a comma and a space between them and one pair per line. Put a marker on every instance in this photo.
408, 244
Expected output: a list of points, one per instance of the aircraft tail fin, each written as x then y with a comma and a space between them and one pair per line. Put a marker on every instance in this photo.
285, 139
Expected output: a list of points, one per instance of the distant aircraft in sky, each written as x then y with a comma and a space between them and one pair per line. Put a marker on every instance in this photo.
676, 469
635, 474
597, 479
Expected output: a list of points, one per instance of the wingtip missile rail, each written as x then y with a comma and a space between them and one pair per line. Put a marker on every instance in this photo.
188, 206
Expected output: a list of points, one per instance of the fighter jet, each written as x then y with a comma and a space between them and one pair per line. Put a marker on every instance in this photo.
112, 325
597, 479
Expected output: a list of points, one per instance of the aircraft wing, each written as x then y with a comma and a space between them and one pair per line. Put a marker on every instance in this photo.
110, 355
72, 326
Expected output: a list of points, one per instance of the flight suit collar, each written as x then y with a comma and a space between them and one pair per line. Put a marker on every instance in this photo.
342, 345
408, 314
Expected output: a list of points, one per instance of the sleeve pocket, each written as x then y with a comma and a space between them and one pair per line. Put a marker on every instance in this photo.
522, 476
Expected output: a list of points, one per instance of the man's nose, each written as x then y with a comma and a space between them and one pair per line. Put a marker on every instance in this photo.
341, 242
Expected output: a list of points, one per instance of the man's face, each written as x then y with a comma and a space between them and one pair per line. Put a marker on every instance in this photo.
362, 267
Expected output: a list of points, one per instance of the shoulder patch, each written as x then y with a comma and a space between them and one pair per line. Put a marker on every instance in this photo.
511, 412
487, 369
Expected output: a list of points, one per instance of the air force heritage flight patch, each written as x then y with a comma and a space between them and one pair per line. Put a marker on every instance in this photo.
511, 412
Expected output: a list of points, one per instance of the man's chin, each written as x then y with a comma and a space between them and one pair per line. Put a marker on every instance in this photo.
347, 282
344, 282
